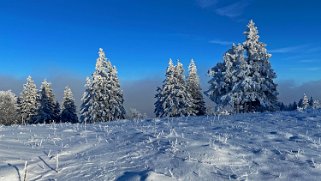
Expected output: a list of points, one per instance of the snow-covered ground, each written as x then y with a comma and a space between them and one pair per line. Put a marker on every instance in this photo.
279, 146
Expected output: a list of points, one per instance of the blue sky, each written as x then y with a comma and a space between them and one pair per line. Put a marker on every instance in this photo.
43, 37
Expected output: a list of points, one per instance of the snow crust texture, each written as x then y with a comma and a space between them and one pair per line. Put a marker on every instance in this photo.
265, 146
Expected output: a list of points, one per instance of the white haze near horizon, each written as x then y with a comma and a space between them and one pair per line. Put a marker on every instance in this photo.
139, 94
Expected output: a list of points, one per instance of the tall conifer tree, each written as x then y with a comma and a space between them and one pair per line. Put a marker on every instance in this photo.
47, 105
194, 88
28, 101
103, 99
244, 82
173, 99
86, 103
68, 113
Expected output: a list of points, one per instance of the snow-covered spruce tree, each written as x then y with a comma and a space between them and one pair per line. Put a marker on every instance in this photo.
244, 81
57, 112
68, 113
305, 102
316, 104
262, 74
104, 97
194, 88
116, 98
300, 103
159, 111
164, 103
173, 99
218, 87
86, 103
182, 98
237, 80
226, 85
47, 109
99, 107
28, 102
8, 108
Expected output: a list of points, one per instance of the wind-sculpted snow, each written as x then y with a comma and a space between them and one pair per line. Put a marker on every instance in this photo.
279, 146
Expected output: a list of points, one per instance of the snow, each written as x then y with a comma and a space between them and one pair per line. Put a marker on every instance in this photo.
256, 146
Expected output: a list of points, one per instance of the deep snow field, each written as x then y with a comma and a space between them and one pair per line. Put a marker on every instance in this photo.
262, 146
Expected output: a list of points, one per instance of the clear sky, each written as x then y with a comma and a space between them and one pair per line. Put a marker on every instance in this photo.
44, 37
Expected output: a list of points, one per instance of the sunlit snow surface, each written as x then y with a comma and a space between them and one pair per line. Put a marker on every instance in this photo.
279, 146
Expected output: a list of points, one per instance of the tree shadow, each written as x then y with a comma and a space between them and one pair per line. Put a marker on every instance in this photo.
17, 169
142, 175
47, 164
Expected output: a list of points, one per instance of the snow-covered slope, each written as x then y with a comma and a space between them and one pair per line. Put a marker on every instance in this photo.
279, 146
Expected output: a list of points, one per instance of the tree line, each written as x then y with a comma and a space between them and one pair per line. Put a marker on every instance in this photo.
303, 104
242, 82
36, 106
